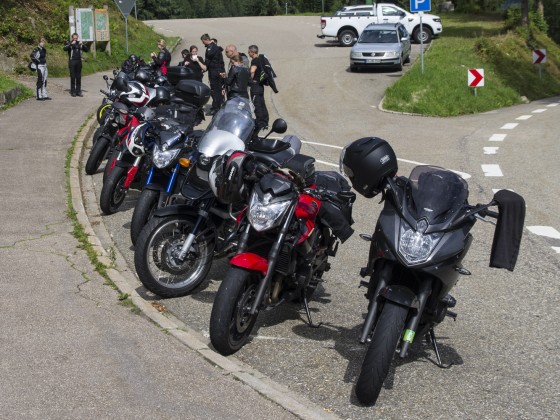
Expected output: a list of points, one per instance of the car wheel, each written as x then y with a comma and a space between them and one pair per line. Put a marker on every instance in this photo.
353, 69
425, 36
407, 59
399, 66
347, 37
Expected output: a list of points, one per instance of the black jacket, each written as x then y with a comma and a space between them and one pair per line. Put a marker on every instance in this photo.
238, 81
214, 59
75, 50
39, 55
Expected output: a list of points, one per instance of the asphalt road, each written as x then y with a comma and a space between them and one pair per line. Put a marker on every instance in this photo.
503, 343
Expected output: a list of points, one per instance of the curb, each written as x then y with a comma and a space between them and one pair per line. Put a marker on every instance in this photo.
9, 95
81, 188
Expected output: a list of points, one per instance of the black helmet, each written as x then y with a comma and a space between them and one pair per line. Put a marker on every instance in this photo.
133, 59
226, 177
162, 96
121, 84
366, 162
142, 76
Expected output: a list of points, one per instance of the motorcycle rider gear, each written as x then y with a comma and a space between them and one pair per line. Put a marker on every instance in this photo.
226, 177
367, 162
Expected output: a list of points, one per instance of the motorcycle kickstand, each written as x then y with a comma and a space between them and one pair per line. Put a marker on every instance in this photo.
431, 336
308, 312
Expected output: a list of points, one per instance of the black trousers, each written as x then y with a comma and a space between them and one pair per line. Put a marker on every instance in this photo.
75, 67
261, 113
216, 88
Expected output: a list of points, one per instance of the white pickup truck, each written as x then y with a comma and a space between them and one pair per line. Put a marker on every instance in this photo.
347, 25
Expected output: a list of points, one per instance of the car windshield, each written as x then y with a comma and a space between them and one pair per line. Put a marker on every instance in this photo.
379, 37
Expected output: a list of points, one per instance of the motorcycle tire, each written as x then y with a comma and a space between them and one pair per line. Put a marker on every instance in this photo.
113, 192
112, 156
380, 353
102, 112
96, 155
156, 257
96, 134
230, 321
143, 210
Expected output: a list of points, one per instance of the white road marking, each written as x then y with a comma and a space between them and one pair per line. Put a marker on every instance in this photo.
524, 117
556, 249
551, 105
463, 175
495, 190
490, 150
509, 126
498, 137
538, 111
322, 144
492, 170
547, 231
326, 163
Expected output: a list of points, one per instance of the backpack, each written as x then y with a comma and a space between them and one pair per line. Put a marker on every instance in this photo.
268, 74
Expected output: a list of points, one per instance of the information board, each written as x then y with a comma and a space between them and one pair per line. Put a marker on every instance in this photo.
102, 25
84, 24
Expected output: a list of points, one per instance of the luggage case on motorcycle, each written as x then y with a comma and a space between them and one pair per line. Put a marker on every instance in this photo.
332, 208
177, 73
193, 92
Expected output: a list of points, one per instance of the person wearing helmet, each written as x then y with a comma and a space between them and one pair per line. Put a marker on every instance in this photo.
74, 48
367, 162
162, 59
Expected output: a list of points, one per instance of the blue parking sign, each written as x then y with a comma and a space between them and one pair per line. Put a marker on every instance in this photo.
420, 6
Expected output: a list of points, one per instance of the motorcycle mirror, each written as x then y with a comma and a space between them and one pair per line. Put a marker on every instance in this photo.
105, 77
279, 126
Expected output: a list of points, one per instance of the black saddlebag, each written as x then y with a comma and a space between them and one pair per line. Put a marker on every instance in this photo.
177, 73
193, 92
336, 212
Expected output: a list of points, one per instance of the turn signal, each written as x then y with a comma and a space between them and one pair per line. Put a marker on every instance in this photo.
184, 162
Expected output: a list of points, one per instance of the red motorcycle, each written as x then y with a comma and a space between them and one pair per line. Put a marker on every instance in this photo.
296, 219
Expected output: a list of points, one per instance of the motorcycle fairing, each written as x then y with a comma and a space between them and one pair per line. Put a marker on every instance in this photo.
250, 261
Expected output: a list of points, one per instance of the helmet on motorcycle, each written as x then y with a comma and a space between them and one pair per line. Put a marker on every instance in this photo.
226, 176
121, 84
133, 58
135, 140
162, 96
367, 162
142, 76
162, 81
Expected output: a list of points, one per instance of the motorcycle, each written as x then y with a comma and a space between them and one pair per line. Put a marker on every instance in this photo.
296, 218
175, 249
416, 252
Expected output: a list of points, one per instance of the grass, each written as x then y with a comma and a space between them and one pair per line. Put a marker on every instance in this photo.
481, 42
7, 83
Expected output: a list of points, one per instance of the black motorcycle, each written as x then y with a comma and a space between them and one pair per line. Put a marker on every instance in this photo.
416, 252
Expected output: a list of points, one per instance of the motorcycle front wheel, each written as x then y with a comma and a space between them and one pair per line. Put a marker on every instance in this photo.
380, 352
230, 321
96, 155
157, 256
113, 192
143, 211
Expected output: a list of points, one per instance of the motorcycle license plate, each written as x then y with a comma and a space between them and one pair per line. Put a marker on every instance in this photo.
374, 61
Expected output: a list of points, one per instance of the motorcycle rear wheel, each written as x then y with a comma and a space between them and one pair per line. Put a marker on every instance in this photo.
113, 192
230, 321
380, 353
143, 211
96, 155
157, 262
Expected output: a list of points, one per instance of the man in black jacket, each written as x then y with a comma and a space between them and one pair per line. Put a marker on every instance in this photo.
216, 72
257, 89
74, 49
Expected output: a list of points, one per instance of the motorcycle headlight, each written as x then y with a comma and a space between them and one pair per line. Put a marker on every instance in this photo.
163, 158
414, 246
264, 215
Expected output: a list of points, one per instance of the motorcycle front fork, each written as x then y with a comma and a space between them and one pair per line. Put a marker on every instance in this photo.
200, 221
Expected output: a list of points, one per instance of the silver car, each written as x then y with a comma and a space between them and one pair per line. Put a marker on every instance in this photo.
381, 45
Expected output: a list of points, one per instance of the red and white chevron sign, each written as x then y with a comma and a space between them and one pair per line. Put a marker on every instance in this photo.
539, 56
476, 77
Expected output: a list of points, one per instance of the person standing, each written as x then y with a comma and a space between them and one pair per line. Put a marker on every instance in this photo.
193, 61
216, 72
237, 81
231, 50
75, 48
162, 59
39, 57
257, 90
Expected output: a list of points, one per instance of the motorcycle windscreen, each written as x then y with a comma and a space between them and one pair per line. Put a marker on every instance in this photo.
435, 193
